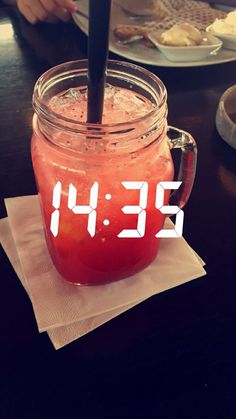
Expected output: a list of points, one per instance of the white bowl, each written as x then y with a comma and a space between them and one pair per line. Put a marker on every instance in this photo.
226, 116
229, 41
195, 53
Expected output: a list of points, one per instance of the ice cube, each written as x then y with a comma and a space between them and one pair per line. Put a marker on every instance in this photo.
71, 94
109, 91
125, 100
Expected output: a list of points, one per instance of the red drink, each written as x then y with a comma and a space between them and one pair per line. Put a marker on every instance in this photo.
130, 146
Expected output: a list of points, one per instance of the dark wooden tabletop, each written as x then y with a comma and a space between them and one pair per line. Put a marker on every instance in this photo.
173, 356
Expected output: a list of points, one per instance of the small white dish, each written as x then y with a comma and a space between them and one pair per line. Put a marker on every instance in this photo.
226, 116
229, 41
181, 54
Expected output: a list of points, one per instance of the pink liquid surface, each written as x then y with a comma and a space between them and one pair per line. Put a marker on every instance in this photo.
103, 258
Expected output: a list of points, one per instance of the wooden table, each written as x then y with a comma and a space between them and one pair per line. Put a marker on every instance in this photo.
171, 357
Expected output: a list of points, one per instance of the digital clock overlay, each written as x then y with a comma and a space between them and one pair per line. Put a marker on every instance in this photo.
138, 210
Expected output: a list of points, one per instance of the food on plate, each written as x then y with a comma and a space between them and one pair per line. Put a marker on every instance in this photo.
195, 13
144, 7
192, 45
131, 33
181, 35
225, 26
127, 32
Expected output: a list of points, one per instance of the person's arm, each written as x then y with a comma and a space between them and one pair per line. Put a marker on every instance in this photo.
44, 10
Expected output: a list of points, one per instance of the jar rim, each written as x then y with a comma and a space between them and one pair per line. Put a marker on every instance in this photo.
41, 108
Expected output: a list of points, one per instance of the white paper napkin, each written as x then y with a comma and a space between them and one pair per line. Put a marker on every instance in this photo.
65, 311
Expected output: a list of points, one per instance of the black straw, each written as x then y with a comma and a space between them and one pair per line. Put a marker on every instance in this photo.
99, 22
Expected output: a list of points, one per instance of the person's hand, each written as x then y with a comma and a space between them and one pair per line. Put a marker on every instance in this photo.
46, 10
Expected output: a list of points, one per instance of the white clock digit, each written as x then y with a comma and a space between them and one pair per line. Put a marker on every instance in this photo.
85, 209
56, 200
136, 209
169, 209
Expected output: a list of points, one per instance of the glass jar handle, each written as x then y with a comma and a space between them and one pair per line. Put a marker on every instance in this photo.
183, 140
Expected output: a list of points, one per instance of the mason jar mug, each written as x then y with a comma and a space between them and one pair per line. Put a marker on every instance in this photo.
98, 183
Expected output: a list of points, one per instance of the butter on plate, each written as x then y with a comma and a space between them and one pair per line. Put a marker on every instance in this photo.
181, 35
225, 26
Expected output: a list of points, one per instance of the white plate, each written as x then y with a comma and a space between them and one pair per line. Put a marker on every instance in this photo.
138, 52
